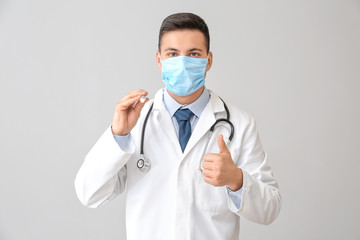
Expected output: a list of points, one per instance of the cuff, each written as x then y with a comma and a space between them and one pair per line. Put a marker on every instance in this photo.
235, 196
124, 142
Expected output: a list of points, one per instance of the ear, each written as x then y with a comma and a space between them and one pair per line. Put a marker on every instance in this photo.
209, 62
158, 62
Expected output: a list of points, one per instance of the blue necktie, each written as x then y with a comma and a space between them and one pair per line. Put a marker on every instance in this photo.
183, 118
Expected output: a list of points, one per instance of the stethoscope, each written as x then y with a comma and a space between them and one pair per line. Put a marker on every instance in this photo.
144, 164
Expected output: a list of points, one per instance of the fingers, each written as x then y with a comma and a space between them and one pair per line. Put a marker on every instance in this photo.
211, 157
135, 93
207, 165
127, 112
207, 173
129, 102
139, 105
131, 99
212, 181
208, 180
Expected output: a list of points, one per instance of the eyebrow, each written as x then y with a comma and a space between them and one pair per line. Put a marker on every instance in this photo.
195, 49
190, 50
171, 49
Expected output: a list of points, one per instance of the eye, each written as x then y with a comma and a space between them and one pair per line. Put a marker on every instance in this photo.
195, 54
171, 54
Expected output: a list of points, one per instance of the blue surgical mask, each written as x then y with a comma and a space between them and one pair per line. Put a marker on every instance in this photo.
183, 75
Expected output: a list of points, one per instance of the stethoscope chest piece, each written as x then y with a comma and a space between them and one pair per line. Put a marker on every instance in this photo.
143, 164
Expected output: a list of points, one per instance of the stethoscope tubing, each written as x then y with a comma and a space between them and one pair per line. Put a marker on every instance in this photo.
143, 130
145, 163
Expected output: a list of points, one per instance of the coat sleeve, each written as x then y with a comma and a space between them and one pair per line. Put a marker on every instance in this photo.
102, 175
260, 198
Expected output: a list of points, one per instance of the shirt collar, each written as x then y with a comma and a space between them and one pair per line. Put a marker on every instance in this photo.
196, 107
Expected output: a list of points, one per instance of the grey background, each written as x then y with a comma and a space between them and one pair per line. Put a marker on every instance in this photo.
293, 65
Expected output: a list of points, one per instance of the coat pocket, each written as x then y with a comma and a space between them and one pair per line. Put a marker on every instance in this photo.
210, 198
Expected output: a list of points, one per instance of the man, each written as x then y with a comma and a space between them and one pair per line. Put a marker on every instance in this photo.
182, 183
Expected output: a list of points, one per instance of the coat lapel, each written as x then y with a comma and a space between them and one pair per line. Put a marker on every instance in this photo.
163, 121
206, 120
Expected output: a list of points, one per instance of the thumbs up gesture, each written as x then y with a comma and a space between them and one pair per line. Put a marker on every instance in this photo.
220, 170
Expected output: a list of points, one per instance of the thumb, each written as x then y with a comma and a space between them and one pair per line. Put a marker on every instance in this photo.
139, 105
222, 146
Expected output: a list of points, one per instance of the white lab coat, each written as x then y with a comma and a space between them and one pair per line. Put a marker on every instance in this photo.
172, 201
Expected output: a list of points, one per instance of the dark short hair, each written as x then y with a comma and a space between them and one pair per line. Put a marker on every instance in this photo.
179, 21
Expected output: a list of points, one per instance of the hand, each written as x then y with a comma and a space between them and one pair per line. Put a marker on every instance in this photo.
127, 112
220, 170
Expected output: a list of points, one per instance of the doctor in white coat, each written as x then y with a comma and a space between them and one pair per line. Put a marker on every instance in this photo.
196, 187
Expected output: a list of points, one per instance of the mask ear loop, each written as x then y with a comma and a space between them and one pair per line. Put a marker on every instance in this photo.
207, 61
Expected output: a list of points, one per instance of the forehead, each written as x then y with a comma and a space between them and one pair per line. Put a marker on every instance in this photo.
183, 39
